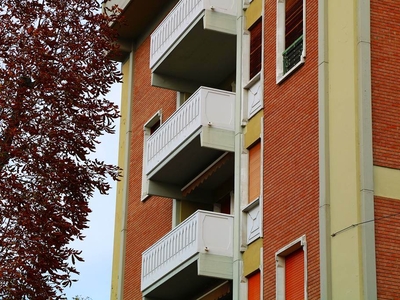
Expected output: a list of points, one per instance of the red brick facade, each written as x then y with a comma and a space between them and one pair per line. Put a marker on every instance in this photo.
147, 221
290, 187
387, 231
290, 154
385, 54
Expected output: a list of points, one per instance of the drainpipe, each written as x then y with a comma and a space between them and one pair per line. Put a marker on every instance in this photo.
237, 255
125, 179
366, 155
324, 185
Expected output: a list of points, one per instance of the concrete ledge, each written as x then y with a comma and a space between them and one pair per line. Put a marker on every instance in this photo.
387, 182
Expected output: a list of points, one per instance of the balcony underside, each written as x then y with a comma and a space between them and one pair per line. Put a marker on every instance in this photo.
204, 55
194, 172
139, 17
201, 272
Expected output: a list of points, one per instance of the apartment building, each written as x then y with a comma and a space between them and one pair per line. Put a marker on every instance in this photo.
260, 141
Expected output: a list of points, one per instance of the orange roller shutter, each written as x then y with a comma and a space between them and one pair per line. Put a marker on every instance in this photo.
254, 286
294, 275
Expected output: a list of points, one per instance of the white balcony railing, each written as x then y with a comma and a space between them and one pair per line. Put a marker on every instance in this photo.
206, 107
179, 19
202, 232
121, 3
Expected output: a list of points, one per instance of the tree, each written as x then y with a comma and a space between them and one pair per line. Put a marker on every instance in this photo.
54, 75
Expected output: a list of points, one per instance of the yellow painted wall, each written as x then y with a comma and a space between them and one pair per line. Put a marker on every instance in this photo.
344, 150
252, 131
119, 210
251, 257
188, 208
253, 12
387, 182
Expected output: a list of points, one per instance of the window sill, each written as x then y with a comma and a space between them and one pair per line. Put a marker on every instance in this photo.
253, 80
281, 78
144, 197
251, 205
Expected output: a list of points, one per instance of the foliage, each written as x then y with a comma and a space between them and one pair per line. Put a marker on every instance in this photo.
54, 75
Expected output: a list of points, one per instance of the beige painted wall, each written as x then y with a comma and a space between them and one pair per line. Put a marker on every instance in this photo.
188, 208
119, 210
251, 257
347, 276
252, 132
387, 182
253, 12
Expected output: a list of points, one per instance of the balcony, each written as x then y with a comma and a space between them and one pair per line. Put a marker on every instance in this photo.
194, 45
195, 253
196, 136
139, 17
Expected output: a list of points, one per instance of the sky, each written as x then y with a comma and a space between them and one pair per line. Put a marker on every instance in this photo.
94, 280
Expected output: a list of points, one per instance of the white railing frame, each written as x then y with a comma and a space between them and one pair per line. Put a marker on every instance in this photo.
172, 27
180, 244
178, 20
183, 123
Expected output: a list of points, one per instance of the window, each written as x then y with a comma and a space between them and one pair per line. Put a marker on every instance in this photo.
253, 210
154, 126
226, 204
290, 36
254, 286
254, 171
291, 271
294, 275
255, 48
149, 128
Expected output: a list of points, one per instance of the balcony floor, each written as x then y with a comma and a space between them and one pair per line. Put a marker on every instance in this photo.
176, 171
202, 57
189, 163
183, 284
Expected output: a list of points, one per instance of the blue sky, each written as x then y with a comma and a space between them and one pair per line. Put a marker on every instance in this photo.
94, 280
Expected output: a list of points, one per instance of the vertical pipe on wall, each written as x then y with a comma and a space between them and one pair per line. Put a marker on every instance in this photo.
324, 190
237, 255
366, 153
125, 179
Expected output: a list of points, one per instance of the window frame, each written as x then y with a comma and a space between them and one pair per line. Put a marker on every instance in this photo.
147, 132
253, 86
255, 149
253, 208
253, 217
256, 32
280, 41
280, 257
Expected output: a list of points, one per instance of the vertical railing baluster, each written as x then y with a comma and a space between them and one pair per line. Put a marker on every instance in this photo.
174, 131
172, 26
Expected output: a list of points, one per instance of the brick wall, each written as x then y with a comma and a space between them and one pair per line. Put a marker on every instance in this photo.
291, 197
147, 221
385, 45
385, 53
387, 239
